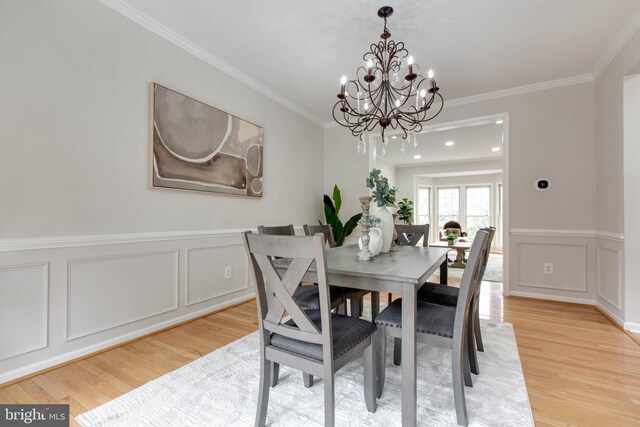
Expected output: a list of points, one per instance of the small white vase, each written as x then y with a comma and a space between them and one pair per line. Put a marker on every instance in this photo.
375, 241
386, 226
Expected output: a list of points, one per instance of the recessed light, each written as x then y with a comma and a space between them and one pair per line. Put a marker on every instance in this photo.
495, 149
499, 122
448, 143
394, 137
417, 157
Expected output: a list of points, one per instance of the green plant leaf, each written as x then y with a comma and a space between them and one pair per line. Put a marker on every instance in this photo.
351, 225
337, 198
329, 203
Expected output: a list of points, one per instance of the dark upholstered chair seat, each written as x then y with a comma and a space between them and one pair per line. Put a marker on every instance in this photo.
307, 296
348, 332
439, 294
432, 319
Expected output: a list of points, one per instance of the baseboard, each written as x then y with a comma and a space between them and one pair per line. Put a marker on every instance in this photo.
558, 298
37, 368
632, 327
609, 315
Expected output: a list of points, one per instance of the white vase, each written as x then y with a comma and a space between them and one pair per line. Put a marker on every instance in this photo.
375, 241
386, 226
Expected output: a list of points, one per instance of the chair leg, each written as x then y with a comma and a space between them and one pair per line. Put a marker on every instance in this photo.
329, 399
476, 328
360, 306
457, 365
308, 380
263, 397
397, 351
389, 296
471, 348
370, 383
355, 307
274, 370
381, 344
466, 365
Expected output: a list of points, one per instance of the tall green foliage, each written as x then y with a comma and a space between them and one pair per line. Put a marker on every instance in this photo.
331, 211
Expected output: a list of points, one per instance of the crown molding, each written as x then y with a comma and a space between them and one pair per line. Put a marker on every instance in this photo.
625, 35
171, 36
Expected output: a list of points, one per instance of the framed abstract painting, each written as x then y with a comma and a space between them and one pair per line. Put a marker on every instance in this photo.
197, 147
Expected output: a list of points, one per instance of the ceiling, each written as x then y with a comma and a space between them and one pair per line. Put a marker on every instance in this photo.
299, 49
470, 142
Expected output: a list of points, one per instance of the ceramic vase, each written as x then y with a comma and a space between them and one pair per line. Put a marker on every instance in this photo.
375, 242
386, 226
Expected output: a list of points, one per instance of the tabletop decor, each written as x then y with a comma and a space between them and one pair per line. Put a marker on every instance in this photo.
197, 147
451, 239
375, 235
385, 196
387, 91
365, 254
331, 211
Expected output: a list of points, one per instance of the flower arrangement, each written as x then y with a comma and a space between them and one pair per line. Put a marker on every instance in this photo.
383, 194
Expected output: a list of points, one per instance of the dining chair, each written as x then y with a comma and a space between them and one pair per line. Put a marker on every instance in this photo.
448, 295
317, 342
440, 325
410, 235
355, 296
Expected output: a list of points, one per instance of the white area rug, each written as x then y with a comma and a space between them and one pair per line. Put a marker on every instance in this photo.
221, 389
493, 273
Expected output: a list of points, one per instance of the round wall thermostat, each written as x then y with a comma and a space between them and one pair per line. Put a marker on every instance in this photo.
542, 184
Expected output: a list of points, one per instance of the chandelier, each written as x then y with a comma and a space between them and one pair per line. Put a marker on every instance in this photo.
388, 91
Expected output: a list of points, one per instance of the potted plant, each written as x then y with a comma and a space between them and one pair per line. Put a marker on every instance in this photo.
331, 211
405, 211
384, 195
451, 239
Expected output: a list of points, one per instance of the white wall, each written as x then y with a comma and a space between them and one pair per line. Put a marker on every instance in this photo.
388, 170
631, 200
551, 135
616, 182
80, 230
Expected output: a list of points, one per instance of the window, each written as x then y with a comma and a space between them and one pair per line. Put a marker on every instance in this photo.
478, 209
423, 214
448, 205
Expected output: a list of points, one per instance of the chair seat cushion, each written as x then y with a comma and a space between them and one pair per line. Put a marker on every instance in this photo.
348, 332
307, 296
439, 294
433, 319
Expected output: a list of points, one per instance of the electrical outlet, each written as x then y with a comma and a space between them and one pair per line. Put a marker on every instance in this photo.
228, 272
548, 268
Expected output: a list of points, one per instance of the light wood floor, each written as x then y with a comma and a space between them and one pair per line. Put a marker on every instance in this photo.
580, 369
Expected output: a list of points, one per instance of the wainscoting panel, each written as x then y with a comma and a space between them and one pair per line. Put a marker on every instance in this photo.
206, 272
569, 266
24, 296
107, 292
610, 278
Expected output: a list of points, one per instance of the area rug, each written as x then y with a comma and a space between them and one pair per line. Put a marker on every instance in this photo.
221, 389
493, 272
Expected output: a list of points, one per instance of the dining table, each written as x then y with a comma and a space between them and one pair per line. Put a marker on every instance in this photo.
403, 273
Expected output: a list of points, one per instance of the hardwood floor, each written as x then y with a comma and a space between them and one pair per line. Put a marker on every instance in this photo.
580, 369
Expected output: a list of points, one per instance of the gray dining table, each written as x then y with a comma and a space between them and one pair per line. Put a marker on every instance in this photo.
402, 273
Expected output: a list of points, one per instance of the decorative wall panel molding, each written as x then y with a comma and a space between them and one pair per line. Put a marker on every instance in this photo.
206, 278
609, 275
24, 308
569, 264
111, 291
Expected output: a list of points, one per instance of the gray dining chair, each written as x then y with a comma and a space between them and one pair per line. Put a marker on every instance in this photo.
448, 295
317, 342
355, 296
307, 296
440, 325
410, 235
